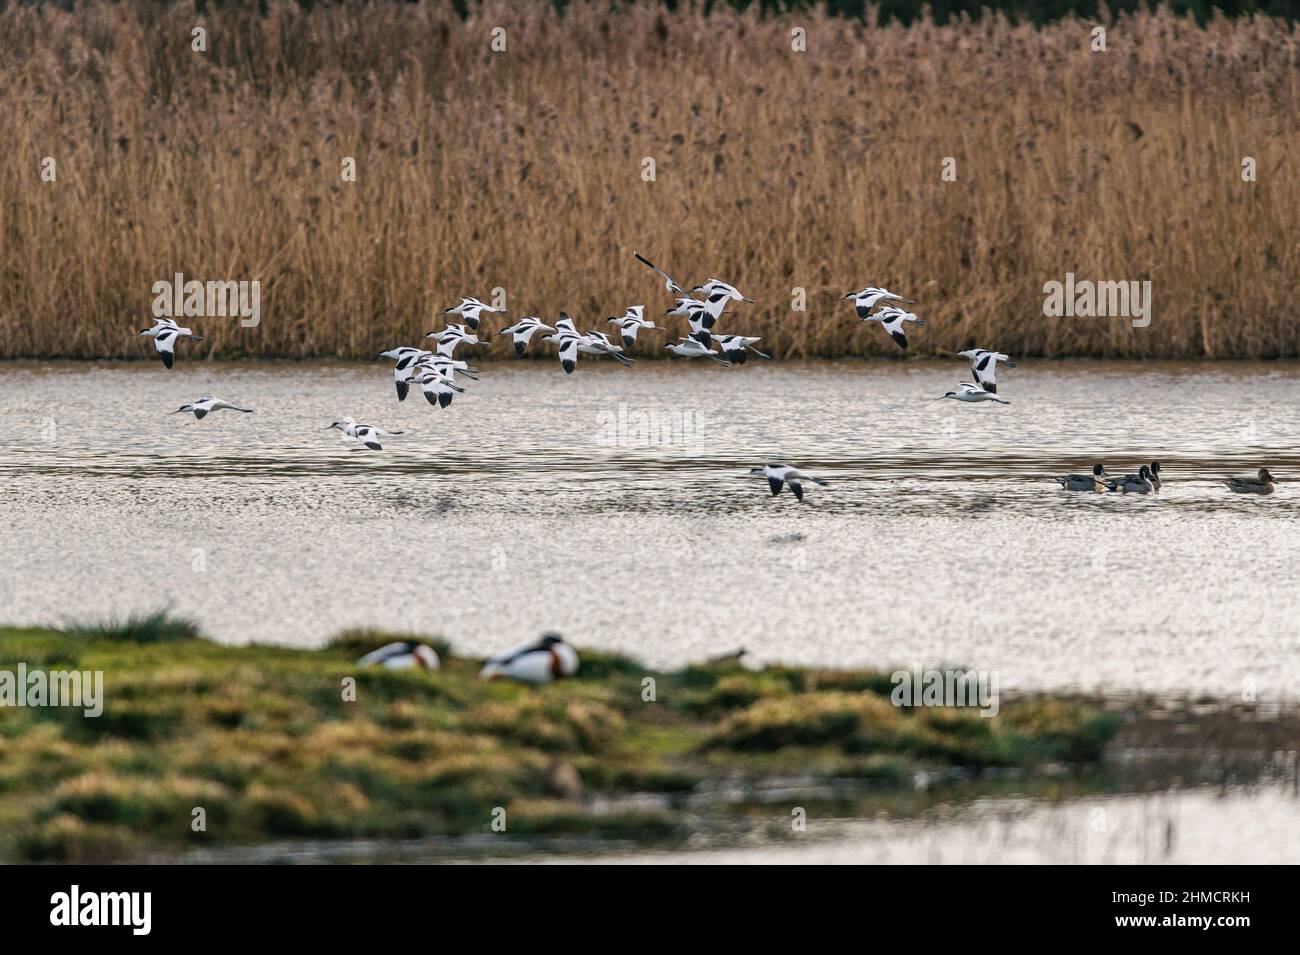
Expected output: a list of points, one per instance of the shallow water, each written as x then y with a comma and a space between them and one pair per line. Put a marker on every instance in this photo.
1204, 827
613, 505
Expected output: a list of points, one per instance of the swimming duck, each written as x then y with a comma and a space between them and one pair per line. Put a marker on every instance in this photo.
1084, 482
1262, 484
1139, 483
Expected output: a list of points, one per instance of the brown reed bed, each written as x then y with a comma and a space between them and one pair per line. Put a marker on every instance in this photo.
523, 169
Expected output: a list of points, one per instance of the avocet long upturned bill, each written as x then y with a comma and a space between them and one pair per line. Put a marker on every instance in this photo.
204, 406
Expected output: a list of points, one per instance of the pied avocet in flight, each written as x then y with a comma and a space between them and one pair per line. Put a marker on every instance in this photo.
471, 309
206, 404
437, 386
451, 336
734, 347
402, 655
598, 343
969, 391
406, 358
550, 658
566, 340
866, 300
366, 434
781, 474
984, 366
522, 332
716, 296
893, 319
671, 286
631, 323
165, 333
691, 348
698, 317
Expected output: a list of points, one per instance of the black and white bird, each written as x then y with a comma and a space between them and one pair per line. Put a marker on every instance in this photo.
207, 404
1262, 483
692, 348
471, 309
735, 347
598, 343
549, 659
782, 474
893, 319
437, 386
406, 359
522, 331
984, 366
726, 288
969, 391
1139, 483
366, 434
1152, 475
671, 286
631, 323
567, 341
402, 655
1084, 482
865, 300
452, 336
165, 333
716, 296
698, 317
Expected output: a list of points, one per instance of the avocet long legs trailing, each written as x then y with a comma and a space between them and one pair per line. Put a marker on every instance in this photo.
522, 331
437, 386
165, 333
691, 348
366, 434
779, 474
969, 391
734, 347
984, 366
598, 343
207, 404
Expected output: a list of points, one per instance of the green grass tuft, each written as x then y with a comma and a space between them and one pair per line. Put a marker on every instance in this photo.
157, 626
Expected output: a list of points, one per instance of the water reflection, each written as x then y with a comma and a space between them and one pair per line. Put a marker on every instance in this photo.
613, 505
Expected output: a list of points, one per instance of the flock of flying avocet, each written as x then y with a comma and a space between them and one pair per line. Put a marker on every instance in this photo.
436, 371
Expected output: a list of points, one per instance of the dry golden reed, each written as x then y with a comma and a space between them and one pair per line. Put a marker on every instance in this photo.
523, 169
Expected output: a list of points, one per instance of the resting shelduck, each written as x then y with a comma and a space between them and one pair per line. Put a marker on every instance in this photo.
550, 658
402, 655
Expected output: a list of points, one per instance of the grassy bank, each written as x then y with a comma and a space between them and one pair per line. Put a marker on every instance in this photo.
262, 740
522, 169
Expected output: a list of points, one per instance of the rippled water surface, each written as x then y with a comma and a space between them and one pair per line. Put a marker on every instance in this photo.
613, 505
